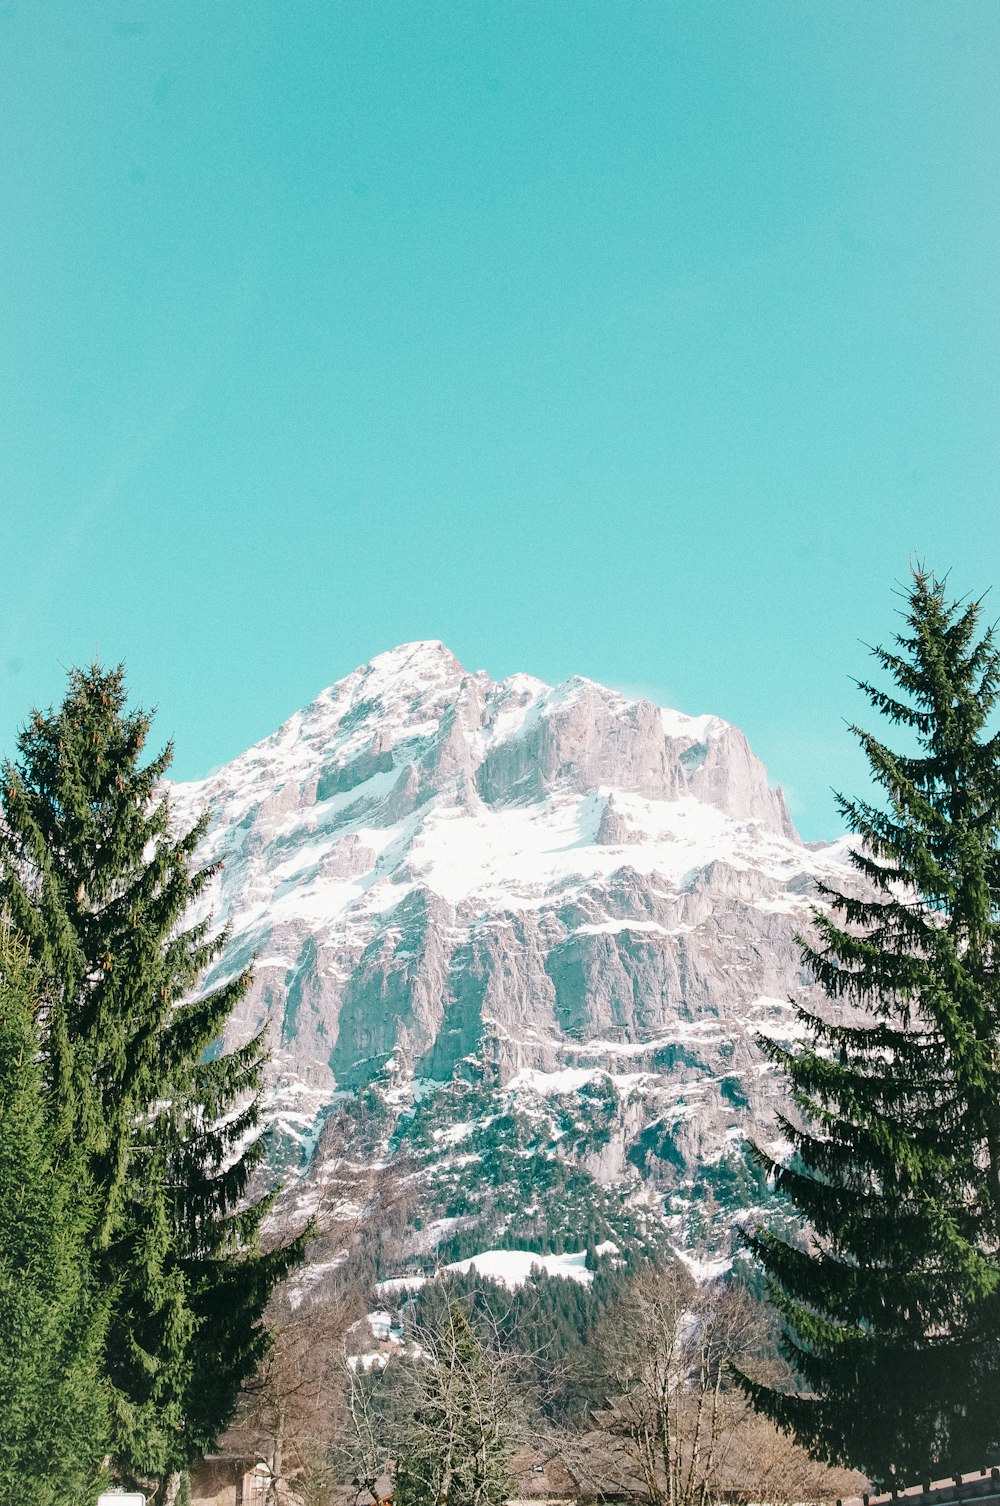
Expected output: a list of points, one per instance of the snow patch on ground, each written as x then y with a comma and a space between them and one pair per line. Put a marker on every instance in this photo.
693, 729
454, 1133
513, 1268
300, 1285
568, 1080
397, 1284
705, 1271
381, 1324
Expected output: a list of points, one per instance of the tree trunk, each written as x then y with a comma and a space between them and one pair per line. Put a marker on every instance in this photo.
278, 1461
168, 1490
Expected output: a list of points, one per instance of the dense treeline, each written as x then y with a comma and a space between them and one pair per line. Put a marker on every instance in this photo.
460, 1409
548, 1322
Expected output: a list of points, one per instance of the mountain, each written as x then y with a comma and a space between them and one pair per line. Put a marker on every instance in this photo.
523, 936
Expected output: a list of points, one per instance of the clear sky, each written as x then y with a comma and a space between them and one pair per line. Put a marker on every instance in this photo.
645, 341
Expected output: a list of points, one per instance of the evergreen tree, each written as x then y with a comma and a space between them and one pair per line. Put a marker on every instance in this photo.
101, 886
892, 1309
53, 1406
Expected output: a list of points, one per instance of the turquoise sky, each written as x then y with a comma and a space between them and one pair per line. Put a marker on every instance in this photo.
645, 341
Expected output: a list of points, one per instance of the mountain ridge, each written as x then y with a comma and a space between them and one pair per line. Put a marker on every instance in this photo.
441, 877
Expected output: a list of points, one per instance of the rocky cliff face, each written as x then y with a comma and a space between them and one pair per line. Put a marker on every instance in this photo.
582, 903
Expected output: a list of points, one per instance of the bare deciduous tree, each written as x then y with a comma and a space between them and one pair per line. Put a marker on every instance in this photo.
363, 1453
676, 1427
295, 1406
444, 1417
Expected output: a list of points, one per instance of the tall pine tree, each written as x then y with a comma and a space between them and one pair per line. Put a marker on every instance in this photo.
53, 1401
100, 885
892, 1308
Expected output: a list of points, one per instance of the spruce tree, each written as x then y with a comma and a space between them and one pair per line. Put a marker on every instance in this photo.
53, 1402
891, 1306
102, 887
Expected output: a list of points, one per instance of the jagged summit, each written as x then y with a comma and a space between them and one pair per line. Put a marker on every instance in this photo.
514, 739
407, 656
411, 665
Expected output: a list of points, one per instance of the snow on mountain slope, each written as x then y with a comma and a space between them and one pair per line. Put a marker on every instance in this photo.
557, 887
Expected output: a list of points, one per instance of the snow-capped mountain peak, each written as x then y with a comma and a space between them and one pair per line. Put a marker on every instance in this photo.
429, 865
